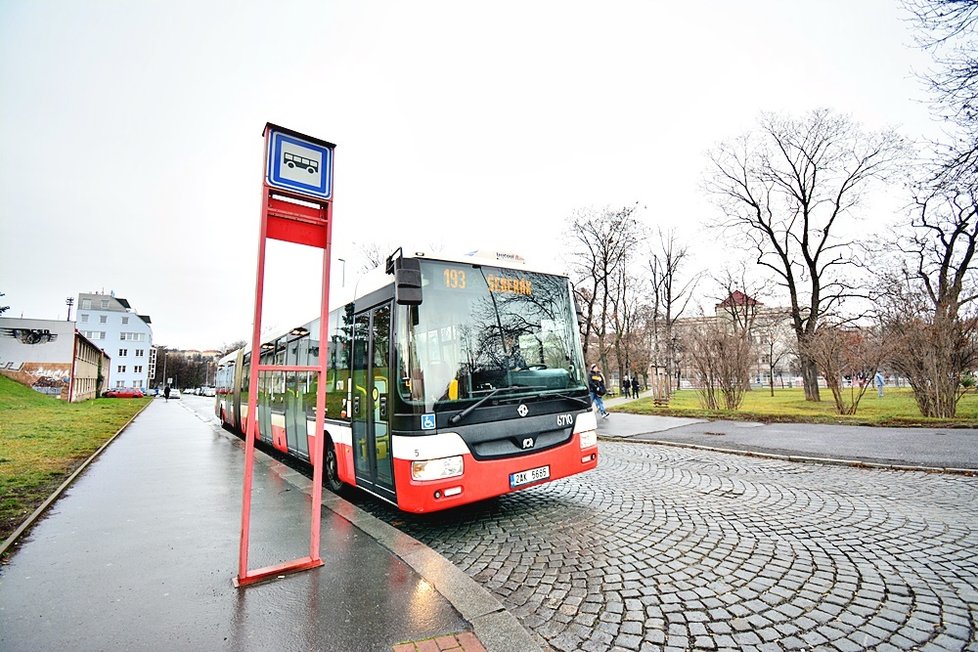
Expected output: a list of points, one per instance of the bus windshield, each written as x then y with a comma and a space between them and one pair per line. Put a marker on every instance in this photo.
481, 328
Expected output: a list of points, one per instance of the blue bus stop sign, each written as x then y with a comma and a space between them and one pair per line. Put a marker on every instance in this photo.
299, 163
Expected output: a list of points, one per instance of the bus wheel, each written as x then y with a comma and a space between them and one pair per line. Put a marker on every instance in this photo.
331, 475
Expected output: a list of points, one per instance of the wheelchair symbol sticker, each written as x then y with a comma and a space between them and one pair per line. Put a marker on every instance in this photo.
428, 421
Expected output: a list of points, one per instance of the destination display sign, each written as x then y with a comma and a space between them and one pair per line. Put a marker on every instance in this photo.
462, 278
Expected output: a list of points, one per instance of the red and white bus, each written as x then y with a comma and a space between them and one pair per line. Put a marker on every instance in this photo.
463, 382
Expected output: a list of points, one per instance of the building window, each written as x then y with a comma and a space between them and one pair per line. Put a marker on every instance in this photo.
138, 383
84, 319
120, 383
125, 320
139, 353
137, 369
103, 318
86, 304
123, 353
121, 369
105, 303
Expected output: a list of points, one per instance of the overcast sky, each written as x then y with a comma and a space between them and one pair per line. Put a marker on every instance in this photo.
132, 131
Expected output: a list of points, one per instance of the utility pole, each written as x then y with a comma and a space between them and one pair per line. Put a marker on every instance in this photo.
70, 301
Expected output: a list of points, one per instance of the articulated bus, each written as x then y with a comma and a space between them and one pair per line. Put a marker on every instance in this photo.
450, 380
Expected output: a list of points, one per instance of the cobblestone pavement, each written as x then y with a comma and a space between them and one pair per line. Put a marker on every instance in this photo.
663, 548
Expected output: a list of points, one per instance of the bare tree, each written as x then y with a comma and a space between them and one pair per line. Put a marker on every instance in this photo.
233, 346
600, 243
738, 304
848, 359
949, 30
766, 328
778, 344
738, 298
373, 254
671, 293
720, 358
625, 302
928, 307
787, 189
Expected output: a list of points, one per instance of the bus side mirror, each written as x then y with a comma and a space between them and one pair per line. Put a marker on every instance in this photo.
407, 282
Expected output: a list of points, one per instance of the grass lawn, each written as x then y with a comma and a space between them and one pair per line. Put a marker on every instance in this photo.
896, 408
43, 440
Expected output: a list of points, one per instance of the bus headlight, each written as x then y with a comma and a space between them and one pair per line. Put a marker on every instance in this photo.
589, 438
446, 467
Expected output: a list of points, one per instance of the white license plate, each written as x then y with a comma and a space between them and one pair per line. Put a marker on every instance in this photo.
528, 476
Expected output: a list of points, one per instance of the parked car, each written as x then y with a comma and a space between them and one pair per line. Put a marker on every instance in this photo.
208, 391
123, 392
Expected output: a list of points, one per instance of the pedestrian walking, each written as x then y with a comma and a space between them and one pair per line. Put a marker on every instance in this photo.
166, 393
634, 386
626, 387
595, 385
879, 381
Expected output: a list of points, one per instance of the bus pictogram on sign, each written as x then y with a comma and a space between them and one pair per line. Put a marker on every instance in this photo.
293, 161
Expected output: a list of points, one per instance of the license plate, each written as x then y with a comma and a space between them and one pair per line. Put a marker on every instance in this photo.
528, 476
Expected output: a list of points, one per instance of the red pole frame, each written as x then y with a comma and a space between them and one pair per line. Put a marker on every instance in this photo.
282, 219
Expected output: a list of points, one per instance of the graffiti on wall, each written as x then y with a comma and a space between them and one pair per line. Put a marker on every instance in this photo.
30, 335
49, 378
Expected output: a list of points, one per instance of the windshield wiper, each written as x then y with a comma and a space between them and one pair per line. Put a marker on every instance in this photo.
583, 401
467, 411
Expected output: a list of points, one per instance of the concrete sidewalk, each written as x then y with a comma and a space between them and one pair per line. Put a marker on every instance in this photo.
140, 552
952, 450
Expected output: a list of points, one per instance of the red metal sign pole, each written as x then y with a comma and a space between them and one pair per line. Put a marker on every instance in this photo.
317, 469
300, 223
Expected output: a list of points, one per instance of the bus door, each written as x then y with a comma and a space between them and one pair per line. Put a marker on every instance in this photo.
372, 455
295, 414
294, 429
264, 402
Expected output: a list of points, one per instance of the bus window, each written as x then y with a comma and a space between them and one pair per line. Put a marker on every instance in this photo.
480, 329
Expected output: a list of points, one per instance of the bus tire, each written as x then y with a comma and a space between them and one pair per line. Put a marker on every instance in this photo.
331, 475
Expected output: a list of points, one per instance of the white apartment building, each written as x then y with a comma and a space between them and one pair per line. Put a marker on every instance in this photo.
112, 324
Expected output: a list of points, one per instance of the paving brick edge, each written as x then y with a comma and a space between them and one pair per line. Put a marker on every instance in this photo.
29, 522
796, 458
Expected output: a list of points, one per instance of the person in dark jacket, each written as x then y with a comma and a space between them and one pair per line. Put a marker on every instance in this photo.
166, 393
634, 386
595, 385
